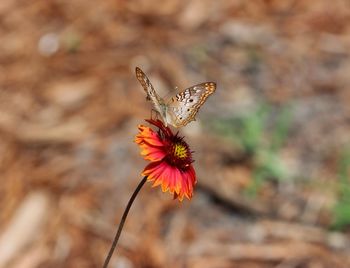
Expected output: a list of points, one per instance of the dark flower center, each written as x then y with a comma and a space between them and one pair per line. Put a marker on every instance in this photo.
179, 154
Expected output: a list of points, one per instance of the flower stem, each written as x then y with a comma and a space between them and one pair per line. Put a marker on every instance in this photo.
122, 221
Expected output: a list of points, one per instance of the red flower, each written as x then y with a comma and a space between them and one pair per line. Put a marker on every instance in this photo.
171, 160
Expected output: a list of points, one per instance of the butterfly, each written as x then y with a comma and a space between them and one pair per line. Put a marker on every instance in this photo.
180, 109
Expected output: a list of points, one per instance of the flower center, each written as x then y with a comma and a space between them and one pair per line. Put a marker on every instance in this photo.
178, 154
180, 151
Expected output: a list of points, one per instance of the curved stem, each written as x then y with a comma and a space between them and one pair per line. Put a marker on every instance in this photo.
122, 221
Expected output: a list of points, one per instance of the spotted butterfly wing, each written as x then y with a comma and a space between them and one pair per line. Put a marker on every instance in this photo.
152, 95
183, 107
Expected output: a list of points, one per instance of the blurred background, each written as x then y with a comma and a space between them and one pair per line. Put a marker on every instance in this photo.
271, 145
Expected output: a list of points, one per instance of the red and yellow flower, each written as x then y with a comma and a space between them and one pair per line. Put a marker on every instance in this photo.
170, 157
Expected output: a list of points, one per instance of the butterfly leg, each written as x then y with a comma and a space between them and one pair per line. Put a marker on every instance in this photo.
154, 114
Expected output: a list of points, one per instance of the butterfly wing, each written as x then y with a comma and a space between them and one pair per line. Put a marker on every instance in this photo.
152, 95
183, 107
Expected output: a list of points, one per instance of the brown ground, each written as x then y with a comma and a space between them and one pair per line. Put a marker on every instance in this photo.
70, 105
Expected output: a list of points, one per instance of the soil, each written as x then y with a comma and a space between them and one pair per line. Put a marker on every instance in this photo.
70, 105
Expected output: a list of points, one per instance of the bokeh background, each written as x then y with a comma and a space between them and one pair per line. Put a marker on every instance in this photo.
270, 145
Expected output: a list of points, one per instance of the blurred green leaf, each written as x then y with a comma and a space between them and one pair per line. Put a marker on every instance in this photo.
341, 210
281, 128
251, 132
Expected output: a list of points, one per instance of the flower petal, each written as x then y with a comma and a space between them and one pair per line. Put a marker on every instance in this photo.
152, 146
150, 153
148, 135
179, 183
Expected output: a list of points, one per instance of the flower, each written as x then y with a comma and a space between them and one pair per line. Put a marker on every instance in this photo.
170, 157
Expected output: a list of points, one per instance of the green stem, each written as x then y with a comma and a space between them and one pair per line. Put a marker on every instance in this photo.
122, 221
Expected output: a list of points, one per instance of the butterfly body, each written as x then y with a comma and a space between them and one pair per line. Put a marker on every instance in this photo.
182, 108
